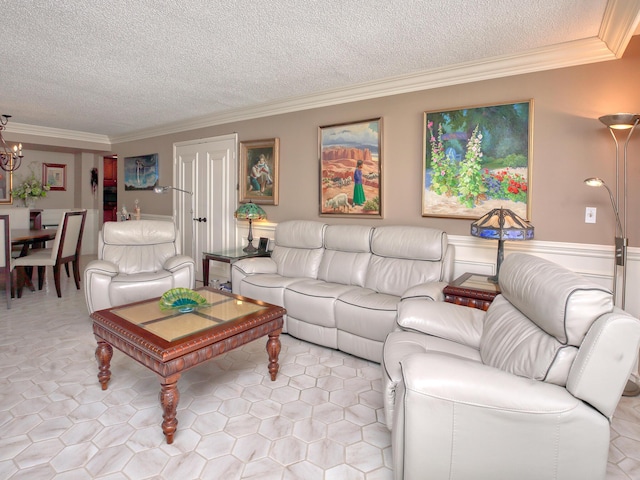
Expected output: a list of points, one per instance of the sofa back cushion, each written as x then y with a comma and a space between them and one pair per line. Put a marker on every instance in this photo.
138, 246
346, 255
534, 329
404, 256
298, 248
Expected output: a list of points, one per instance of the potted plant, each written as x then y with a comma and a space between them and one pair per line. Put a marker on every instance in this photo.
30, 190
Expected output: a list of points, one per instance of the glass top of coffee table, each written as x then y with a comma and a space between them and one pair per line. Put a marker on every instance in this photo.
172, 325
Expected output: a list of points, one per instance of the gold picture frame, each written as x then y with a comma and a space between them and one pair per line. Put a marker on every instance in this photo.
6, 184
259, 171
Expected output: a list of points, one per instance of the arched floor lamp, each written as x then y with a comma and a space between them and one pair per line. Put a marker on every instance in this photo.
619, 122
165, 189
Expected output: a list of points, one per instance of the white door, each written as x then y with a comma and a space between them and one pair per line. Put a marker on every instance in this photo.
208, 168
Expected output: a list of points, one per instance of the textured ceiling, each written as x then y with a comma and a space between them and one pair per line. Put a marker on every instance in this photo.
122, 66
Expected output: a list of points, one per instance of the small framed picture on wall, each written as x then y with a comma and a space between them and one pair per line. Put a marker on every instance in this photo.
55, 174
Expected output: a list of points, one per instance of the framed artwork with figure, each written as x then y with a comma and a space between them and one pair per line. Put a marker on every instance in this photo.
55, 174
351, 169
259, 180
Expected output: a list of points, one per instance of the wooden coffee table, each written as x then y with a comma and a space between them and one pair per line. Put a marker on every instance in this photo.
171, 342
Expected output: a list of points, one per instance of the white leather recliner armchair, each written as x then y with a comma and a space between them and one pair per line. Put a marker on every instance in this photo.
523, 391
137, 260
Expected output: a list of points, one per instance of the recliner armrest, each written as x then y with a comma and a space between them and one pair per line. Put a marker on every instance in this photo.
102, 267
460, 380
177, 262
445, 320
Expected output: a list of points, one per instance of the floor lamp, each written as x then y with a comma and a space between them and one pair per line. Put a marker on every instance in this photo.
165, 189
620, 122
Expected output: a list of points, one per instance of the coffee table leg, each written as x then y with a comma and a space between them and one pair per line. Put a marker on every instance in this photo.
104, 352
169, 397
273, 349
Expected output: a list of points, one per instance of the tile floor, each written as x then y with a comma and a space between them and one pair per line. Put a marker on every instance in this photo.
321, 419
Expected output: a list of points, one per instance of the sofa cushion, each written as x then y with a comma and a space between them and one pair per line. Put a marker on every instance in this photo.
346, 255
365, 313
313, 301
125, 289
413, 243
298, 248
404, 257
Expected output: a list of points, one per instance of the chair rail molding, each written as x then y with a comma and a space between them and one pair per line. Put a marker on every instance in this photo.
591, 260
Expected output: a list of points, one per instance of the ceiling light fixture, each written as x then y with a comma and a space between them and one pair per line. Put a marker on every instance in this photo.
10, 159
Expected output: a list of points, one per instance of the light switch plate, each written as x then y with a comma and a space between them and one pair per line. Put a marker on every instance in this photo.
590, 215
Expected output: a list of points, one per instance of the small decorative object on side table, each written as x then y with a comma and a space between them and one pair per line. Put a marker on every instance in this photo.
472, 290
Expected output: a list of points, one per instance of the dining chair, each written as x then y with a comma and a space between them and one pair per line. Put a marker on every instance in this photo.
6, 262
66, 248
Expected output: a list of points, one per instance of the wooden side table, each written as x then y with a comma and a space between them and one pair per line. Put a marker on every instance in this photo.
471, 290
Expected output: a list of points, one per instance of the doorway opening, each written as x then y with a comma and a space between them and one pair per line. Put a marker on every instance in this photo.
110, 189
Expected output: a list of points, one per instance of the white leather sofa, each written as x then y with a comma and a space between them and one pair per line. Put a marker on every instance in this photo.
341, 284
523, 391
137, 260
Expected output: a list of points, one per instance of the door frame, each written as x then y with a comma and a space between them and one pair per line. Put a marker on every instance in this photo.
203, 199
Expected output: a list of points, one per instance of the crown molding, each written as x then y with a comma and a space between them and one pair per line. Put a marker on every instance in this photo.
568, 54
620, 20
619, 23
26, 129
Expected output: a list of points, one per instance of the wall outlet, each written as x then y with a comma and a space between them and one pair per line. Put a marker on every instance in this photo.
590, 215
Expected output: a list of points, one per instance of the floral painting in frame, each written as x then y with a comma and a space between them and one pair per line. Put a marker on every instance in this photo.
351, 169
477, 159
141, 173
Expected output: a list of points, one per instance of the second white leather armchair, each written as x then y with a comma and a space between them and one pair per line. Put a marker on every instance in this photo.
137, 260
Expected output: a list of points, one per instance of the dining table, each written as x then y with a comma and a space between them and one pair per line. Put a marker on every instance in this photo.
28, 237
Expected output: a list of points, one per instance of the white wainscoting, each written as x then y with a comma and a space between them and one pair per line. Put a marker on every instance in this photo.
593, 261
146, 216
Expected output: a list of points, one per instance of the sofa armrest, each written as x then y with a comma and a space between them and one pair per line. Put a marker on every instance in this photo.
445, 320
251, 266
178, 262
432, 290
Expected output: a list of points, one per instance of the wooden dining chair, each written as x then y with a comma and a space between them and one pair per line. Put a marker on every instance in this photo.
6, 263
66, 248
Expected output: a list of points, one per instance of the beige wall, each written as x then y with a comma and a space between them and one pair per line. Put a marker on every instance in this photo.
569, 145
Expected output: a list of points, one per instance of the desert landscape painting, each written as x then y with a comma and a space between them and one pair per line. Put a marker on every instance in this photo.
351, 168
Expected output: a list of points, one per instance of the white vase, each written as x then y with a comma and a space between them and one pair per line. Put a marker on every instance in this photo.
30, 202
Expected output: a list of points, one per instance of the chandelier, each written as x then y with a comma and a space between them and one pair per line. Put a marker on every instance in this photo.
10, 159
